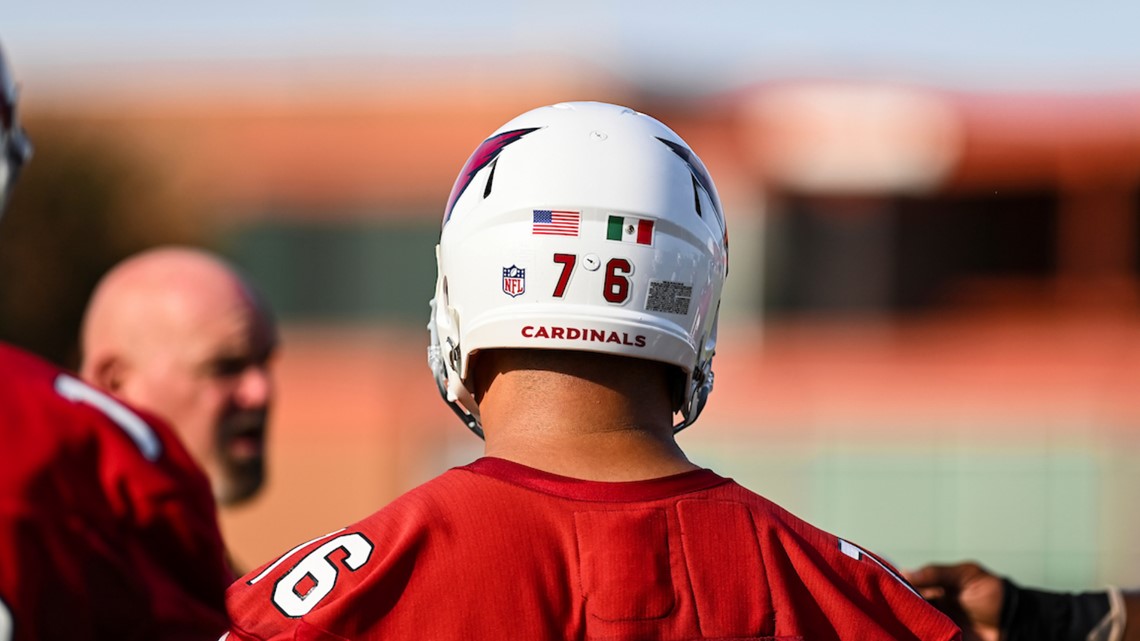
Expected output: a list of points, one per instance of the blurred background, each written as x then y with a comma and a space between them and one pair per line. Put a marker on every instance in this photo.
930, 341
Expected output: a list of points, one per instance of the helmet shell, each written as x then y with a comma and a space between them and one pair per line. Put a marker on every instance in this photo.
581, 226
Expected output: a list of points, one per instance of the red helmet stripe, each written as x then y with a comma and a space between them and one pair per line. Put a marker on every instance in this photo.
483, 156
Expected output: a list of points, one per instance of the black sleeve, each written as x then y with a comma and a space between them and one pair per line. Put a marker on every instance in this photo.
1038, 615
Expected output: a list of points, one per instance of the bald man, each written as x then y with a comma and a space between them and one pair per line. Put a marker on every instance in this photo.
108, 529
176, 331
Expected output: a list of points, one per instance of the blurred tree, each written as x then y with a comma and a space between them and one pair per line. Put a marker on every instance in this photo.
77, 210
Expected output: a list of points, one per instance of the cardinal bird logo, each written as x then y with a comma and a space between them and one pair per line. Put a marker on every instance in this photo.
483, 156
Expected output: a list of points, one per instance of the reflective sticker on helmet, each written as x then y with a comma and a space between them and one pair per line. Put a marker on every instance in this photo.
552, 222
617, 286
630, 230
567, 261
669, 297
514, 281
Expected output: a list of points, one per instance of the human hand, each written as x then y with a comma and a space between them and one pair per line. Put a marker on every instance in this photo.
966, 592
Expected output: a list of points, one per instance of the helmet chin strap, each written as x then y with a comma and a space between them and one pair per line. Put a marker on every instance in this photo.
439, 371
701, 386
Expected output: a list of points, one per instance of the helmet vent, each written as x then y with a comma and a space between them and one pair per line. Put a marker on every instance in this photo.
490, 178
697, 196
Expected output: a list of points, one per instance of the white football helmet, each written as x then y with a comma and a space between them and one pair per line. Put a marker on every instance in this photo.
580, 226
15, 149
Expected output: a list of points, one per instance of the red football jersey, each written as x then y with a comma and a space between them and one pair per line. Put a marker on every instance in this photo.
107, 526
497, 550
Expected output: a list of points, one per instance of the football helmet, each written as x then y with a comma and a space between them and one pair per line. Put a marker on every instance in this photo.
580, 226
15, 149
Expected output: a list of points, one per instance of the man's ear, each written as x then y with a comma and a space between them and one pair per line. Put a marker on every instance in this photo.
107, 372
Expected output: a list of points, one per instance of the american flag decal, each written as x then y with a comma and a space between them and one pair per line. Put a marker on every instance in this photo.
552, 222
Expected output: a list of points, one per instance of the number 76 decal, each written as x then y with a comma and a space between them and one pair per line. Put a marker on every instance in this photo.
616, 287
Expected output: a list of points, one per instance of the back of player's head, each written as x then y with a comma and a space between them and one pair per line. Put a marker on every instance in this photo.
15, 149
580, 226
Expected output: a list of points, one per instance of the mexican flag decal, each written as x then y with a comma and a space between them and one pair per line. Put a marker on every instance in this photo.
630, 230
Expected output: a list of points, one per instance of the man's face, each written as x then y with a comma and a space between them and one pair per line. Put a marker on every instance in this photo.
207, 374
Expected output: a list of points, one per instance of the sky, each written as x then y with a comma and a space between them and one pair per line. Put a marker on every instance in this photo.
1092, 45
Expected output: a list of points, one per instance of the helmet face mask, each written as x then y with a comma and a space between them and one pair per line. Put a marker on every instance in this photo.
580, 226
15, 149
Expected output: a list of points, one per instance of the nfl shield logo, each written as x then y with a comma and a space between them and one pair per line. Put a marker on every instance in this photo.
514, 280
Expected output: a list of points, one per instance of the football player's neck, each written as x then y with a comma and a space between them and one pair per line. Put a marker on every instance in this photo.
605, 419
